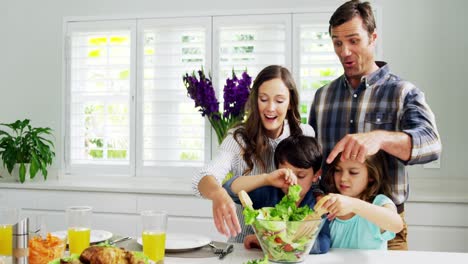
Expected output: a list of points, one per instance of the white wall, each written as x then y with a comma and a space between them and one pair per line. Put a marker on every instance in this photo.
422, 40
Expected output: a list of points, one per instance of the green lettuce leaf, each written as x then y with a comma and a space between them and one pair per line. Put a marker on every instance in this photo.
258, 261
285, 210
250, 215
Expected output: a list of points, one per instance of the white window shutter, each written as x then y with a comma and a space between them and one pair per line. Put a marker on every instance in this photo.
99, 89
173, 132
250, 42
316, 63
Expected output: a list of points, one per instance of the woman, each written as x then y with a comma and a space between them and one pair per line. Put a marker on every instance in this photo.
249, 149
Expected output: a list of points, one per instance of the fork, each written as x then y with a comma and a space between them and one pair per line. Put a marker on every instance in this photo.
216, 249
119, 240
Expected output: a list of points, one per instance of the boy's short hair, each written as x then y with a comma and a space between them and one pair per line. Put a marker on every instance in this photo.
300, 151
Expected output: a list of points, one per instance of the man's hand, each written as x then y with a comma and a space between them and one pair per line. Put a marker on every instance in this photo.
358, 146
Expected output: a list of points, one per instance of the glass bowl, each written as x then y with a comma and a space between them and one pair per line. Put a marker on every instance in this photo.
287, 241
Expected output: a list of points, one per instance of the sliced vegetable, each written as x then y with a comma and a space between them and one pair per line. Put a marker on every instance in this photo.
258, 261
276, 227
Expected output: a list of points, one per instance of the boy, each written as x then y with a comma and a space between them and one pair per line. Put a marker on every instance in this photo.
298, 159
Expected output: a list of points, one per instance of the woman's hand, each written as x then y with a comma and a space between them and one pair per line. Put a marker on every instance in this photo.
281, 178
251, 241
224, 213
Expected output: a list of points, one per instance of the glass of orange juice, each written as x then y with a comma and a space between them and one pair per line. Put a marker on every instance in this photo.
154, 234
8, 217
79, 228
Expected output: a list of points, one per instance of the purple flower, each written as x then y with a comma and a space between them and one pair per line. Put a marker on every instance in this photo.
202, 92
236, 94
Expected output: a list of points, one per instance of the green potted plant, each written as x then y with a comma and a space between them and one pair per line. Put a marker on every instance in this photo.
26, 145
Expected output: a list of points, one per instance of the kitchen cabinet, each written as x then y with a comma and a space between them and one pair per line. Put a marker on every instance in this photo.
439, 226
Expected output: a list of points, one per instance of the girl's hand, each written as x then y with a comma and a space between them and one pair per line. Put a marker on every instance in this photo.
338, 205
251, 241
224, 214
281, 178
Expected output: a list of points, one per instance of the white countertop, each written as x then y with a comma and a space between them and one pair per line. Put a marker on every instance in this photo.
346, 256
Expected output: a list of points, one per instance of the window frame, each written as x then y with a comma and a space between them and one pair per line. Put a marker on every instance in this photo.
88, 170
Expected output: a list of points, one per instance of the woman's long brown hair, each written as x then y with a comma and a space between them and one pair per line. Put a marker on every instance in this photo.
251, 135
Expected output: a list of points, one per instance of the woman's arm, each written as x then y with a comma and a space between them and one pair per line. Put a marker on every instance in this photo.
224, 209
385, 216
207, 183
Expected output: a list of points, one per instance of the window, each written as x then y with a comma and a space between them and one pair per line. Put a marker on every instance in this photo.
128, 112
250, 43
317, 63
100, 83
173, 133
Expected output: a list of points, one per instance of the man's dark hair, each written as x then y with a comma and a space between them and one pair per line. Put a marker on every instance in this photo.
351, 9
300, 151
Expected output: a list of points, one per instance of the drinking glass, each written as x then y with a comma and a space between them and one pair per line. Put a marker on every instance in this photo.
79, 228
154, 234
8, 217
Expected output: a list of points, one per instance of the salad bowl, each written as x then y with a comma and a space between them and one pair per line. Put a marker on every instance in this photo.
283, 242
285, 232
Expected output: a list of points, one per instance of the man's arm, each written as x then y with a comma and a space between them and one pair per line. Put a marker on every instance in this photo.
359, 146
417, 142
418, 121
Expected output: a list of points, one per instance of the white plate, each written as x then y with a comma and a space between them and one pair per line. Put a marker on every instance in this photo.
96, 235
183, 242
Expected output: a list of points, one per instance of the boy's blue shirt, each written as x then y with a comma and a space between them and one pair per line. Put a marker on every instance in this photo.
269, 196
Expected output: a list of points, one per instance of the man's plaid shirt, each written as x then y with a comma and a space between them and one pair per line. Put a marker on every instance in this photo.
382, 101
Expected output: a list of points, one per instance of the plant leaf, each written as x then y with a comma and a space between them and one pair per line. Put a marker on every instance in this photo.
34, 166
22, 172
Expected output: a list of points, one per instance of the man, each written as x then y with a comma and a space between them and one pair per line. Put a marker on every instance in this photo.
370, 109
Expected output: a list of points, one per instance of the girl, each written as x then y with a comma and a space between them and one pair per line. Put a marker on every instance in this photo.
248, 149
364, 215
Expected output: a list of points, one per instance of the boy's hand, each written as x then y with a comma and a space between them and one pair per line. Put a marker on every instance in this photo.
281, 178
251, 241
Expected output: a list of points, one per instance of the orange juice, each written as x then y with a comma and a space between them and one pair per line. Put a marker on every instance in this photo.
78, 239
154, 245
6, 240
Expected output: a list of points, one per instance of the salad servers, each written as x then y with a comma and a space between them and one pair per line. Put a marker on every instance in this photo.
245, 199
307, 228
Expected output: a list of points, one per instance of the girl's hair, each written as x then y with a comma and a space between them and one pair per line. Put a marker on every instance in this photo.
300, 151
251, 132
376, 169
